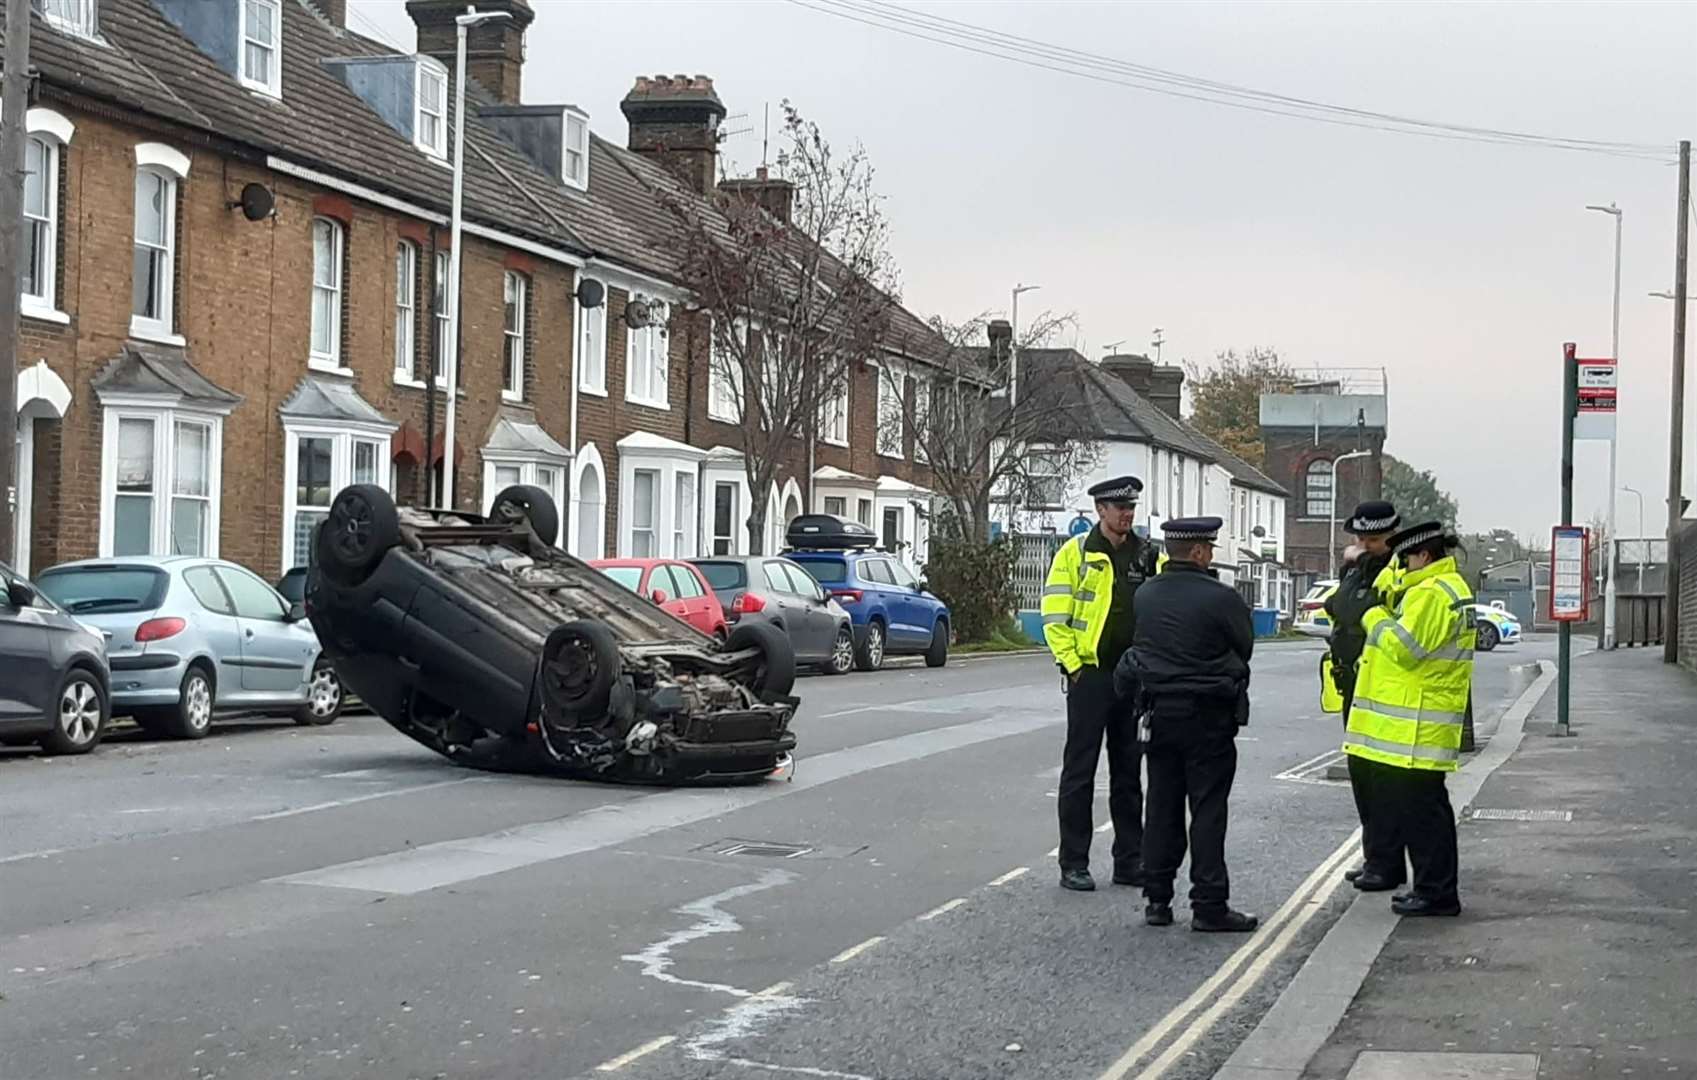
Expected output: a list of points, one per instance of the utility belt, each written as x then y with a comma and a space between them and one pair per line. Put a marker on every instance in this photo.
1162, 716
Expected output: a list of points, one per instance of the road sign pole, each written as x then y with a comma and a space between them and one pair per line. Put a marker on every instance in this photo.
1569, 407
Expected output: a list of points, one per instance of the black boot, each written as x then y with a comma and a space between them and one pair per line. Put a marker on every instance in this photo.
1158, 914
1222, 921
1414, 906
1351, 875
1078, 880
1373, 881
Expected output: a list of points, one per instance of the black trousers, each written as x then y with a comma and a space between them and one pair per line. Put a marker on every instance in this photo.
1192, 758
1378, 855
1413, 818
1095, 711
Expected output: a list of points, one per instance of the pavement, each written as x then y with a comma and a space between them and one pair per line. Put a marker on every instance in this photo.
1571, 958
277, 901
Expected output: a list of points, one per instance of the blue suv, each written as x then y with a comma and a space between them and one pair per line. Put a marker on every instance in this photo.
892, 612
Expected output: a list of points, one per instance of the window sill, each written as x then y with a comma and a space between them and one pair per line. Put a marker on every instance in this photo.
660, 406
894, 455
44, 314
328, 367
509, 396
728, 420
259, 89
593, 391
142, 332
842, 443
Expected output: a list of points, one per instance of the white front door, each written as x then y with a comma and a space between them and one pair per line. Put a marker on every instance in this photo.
24, 481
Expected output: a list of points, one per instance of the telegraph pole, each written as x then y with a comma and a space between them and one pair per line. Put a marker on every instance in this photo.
1676, 433
14, 101
1569, 408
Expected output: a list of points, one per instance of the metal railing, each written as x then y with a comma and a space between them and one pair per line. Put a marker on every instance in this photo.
1031, 566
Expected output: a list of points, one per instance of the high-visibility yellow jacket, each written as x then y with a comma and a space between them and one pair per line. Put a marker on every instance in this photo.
1076, 599
1412, 687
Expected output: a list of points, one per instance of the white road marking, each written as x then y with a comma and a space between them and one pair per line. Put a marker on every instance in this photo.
710, 919
640, 1052
449, 862
774, 990
34, 854
367, 797
942, 909
153, 810
1054, 852
855, 950
1010, 875
1299, 772
1298, 901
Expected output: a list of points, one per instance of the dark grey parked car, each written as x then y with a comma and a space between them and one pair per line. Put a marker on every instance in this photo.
56, 689
766, 588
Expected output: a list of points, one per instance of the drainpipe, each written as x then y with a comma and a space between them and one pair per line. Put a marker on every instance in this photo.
571, 438
429, 497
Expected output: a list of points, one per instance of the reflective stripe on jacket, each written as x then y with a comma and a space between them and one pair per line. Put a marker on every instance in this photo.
1416, 672
1076, 599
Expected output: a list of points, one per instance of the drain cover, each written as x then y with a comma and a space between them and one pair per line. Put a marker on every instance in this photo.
1523, 815
764, 850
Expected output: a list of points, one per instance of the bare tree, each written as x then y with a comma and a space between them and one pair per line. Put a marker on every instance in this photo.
978, 448
796, 306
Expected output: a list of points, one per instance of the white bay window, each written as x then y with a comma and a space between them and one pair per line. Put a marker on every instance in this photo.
320, 460
160, 481
501, 471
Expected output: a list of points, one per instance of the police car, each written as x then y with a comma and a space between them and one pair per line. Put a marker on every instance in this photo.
1496, 626
1311, 617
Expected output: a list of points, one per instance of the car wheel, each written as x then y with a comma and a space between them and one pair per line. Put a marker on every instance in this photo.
774, 673
361, 526
192, 718
81, 717
529, 504
842, 653
1487, 637
870, 655
324, 695
580, 663
938, 654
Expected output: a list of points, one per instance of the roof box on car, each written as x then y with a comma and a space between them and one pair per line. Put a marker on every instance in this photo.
828, 532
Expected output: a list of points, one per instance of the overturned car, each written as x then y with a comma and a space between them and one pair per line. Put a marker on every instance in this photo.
480, 639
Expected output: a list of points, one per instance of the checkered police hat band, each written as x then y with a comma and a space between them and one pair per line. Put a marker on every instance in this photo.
1416, 539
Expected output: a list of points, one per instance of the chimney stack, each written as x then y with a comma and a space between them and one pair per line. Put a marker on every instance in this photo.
1133, 370
774, 196
334, 11
674, 120
494, 50
1161, 384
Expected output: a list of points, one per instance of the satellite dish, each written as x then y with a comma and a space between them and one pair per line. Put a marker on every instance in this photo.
591, 293
1258, 531
257, 202
638, 314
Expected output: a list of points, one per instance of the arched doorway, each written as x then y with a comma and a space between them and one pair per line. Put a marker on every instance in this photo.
590, 506
42, 396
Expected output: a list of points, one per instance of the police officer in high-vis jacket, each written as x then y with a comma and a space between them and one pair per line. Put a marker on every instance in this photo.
1088, 624
1405, 721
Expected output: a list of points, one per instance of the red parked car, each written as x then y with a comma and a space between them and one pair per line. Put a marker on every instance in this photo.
676, 586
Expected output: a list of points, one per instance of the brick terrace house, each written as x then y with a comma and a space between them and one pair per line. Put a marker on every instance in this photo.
236, 227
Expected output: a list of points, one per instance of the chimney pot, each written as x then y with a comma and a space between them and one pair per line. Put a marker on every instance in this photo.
494, 50
674, 120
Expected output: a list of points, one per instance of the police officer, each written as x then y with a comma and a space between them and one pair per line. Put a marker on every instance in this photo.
1357, 593
1406, 719
1088, 624
1190, 657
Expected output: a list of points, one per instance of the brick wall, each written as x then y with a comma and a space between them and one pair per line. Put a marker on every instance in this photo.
1289, 453
244, 307
1687, 647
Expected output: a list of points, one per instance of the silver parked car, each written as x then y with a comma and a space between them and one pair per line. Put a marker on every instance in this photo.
767, 588
188, 636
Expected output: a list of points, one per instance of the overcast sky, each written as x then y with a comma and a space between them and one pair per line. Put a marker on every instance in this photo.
1460, 268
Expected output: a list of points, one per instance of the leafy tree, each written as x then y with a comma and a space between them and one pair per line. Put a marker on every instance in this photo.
1416, 495
975, 578
1226, 398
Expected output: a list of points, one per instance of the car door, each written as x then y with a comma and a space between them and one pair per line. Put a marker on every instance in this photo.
818, 603
882, 595
276, 653
223, 631
691, 597
802, 630
915, 617
26, 655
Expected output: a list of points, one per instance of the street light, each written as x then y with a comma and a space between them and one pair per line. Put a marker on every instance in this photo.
462, 23
1644, 550
1332, 517
1671, 296
1013, 378
1614, 352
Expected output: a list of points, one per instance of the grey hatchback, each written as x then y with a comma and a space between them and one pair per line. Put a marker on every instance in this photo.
755, 588
55, 691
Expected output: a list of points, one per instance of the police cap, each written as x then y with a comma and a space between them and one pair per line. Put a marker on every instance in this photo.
1415, 535
1192, 529
1373, 517
1121, 489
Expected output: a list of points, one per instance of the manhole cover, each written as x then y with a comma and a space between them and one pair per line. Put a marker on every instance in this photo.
764, 850
1523, 815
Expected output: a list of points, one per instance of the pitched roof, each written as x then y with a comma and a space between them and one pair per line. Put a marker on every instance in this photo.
161, 371
1099, 405
333, 398
1242, 471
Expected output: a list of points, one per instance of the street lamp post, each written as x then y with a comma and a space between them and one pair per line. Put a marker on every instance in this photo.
1642, 551
462, 23
1332, 518
1614, 441
1013, 383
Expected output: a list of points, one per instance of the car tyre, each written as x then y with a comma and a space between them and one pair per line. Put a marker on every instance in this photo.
362, 525
842, 652
529, 504
192, 717
325, 695
79, 716
580, 663
1488, 637
869, 654
938, 653
774, 675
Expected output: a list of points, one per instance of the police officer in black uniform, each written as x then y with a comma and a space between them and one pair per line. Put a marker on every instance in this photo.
1190, 661
1095, 710
1372, 523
